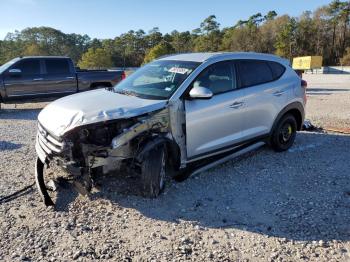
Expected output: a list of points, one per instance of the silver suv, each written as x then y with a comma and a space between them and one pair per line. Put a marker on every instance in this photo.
169, 114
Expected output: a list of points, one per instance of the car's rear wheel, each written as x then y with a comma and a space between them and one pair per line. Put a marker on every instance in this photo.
153, 171
284, 134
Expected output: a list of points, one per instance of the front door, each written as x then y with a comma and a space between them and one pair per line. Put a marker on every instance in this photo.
27, 82
214, 124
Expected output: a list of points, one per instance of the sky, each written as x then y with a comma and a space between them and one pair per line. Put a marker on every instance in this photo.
110, 18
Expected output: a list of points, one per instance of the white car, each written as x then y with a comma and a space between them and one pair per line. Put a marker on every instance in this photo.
172, 112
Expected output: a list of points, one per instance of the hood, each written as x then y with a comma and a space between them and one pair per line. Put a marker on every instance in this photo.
90, 107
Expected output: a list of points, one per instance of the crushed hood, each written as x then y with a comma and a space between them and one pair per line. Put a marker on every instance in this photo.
90, 107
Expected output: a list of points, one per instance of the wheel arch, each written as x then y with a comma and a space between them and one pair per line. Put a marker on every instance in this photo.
97, 84
296, 109
172, 147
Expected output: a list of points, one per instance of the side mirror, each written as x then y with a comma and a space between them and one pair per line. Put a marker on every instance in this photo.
15, 72
200, 92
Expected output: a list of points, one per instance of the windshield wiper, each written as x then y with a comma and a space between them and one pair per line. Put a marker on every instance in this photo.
125, 92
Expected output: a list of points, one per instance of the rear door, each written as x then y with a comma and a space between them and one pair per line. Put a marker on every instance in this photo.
27, 82
264, 95
59, 76
214, 124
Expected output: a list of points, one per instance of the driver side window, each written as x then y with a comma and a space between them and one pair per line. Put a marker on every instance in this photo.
28, 67
219, 78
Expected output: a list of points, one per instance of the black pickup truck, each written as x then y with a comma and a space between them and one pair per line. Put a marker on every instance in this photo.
38, 76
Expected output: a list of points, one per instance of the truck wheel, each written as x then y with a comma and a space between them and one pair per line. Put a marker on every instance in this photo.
284, 134
97, 87
153, 171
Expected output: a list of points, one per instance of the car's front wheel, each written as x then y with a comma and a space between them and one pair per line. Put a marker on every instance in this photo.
153, 171
284, 134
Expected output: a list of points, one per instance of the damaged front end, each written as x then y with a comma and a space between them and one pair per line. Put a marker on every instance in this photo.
99, 147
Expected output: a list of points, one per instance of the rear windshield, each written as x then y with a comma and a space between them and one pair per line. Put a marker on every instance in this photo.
156, 80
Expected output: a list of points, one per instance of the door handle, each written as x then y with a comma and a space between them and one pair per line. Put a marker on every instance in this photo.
69, 77
236, 105
279, 93
38, 79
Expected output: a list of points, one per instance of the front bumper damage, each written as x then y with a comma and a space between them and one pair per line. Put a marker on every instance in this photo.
40, 183
46, 145
126, 144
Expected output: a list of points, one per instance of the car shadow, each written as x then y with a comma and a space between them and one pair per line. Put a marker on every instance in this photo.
325, 91
5, 145
312, 89
19, 114
65, 195
301, 194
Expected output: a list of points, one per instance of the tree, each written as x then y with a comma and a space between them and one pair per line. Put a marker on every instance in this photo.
163, 48
338, 12
286, 40
345, 60
209, 39
257, 33
270, 15
33, 50
323, 32
209, 25
154, 37
95, 58
181, 42
268, 33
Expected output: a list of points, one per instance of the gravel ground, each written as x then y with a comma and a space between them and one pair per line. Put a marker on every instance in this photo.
265, 206
329, 100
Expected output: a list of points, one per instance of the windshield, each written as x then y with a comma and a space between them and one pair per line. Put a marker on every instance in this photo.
156, 80
8, 64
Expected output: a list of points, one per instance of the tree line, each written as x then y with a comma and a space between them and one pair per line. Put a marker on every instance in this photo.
324, 32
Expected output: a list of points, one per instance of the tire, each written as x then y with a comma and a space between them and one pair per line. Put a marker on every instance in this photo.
284, 134
153, 171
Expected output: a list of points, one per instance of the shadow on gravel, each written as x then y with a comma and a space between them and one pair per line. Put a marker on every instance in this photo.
64, 197
19, 114
334, 90
5, 145
325, 91
303, 194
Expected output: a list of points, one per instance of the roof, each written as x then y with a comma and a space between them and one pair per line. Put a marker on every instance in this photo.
193, 57
201, 57
48, 56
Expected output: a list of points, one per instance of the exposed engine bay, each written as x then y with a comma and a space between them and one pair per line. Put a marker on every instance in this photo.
97, 148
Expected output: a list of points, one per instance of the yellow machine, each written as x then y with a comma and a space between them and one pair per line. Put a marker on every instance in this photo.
307, 62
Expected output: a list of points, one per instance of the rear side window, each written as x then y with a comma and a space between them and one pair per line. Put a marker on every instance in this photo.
57, 66
254, 72
277, 69
28, 67
219, 78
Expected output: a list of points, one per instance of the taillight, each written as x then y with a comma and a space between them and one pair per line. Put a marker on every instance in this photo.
303, 83
304, 86
123, 75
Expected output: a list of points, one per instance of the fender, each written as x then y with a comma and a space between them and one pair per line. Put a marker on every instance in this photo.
292, 106
156, 141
